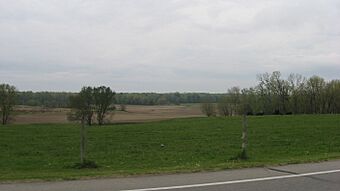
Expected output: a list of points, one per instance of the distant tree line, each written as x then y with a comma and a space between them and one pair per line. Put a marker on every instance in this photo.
165, 98
44, 99
61, 99
274, 95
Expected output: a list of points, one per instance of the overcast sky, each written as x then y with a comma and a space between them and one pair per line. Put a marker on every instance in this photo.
165, 45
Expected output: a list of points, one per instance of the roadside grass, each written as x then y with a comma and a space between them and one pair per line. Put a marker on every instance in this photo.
47, 151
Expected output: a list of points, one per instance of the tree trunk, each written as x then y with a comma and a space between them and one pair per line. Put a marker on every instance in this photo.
4, 120
89, 120
244, 134
100, 118
82, 141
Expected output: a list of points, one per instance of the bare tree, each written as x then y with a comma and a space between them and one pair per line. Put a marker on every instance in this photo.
280, 89
332, 96
265, 94
122, 107
223, 107
274, 93
234, 95
208, 109
297, 85
315, 87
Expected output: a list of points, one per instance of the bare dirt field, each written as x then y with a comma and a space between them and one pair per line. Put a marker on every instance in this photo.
133, 113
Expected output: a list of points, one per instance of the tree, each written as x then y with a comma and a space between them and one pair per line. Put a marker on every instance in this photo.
265, 94
315, 88
234, 97
82, 106
332, 96
280, 91
7, 101
297, 84
247, 102
103, 99
223, 106
87, 94
122, 107
208, 109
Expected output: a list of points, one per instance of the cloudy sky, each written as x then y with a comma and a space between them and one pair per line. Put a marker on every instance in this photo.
165, 45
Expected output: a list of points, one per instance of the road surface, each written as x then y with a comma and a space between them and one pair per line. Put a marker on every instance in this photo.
311, 177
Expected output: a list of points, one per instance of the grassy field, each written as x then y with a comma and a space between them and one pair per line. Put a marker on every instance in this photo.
47, 151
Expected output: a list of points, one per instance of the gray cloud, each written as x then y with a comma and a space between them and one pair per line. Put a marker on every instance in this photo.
148, 45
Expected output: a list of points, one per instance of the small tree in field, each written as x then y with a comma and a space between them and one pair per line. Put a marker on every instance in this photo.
103, 99
82, 108
122, 107
7, 101
208, 109
224, 107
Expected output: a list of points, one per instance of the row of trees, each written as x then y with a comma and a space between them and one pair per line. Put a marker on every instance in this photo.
165, 98
274, 95
44, 99
61, 99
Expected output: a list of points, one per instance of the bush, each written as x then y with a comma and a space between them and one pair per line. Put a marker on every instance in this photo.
122, 107
86, 164
260, 113
208, 109
277, 112
223, 108
250, 113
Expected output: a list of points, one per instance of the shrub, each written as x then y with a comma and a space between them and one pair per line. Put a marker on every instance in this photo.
208, 109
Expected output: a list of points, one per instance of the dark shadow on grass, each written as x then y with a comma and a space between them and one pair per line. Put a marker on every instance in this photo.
87, 164
240, 156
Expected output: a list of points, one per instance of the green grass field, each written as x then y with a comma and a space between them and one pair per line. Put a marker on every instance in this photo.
47, 151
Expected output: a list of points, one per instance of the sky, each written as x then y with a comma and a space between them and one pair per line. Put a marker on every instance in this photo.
165, 45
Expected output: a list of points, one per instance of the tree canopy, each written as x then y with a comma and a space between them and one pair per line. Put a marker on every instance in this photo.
7, 101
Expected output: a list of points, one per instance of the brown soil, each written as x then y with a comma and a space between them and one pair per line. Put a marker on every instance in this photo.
133, 113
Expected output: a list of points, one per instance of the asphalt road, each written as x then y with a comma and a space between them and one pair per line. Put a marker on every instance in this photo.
311, 177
